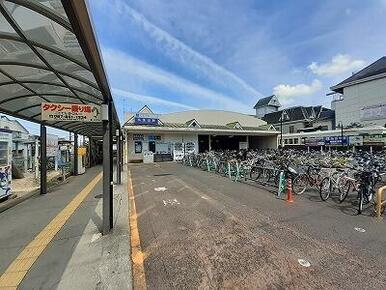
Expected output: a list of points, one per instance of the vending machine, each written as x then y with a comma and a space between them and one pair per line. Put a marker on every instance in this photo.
5, 163
178, 151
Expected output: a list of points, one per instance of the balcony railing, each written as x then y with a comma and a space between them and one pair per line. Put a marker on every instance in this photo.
337, 97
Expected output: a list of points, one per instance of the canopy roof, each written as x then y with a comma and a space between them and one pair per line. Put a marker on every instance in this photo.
49, 53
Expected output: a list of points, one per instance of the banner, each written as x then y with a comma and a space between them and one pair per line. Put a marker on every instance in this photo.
375, 140
70, 112
313, 141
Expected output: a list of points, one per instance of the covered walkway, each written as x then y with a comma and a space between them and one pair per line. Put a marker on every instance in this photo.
49, 56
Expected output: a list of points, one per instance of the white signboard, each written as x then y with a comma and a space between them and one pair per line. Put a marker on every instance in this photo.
355, 140
52, 145
243, 145
70, 112
374, 112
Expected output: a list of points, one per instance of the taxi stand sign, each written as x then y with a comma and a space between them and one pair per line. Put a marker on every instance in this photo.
70, 112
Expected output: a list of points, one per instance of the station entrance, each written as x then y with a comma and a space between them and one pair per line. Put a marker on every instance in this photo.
220, 142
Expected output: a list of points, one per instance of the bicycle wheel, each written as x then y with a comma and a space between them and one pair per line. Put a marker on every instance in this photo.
255, 173
344, 191
299, 184
325, 188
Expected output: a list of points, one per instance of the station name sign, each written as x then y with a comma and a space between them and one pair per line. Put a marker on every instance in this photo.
146, 119
63, 112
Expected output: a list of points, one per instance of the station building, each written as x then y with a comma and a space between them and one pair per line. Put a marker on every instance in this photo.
170, 136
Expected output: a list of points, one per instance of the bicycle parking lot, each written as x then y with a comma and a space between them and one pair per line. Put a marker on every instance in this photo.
200, 229
333, 174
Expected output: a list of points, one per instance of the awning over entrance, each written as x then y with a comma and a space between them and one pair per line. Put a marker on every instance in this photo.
48, 53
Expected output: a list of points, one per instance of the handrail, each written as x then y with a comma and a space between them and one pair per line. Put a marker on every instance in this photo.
380, 203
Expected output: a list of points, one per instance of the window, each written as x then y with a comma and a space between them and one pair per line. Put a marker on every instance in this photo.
285, 141
296, 141
291, 141
292, 129
3, 153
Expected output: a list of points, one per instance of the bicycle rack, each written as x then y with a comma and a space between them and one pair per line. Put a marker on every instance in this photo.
380, 203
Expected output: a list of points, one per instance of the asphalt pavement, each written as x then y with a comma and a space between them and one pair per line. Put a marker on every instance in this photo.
200, 230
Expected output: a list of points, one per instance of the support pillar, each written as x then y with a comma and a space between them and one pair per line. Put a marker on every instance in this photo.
43, 159
111, 216
89, 152
121, 138
75, 165
107, 169
210, 143
118, 159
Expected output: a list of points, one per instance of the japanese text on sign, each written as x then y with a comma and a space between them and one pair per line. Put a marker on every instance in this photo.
70, 112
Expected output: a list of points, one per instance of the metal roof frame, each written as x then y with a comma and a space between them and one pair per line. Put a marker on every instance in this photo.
82, 37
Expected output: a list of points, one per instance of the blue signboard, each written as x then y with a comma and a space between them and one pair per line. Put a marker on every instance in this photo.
336, 140
145, 121
153, 138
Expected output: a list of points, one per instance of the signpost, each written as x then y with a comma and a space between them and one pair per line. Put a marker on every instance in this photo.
70, 112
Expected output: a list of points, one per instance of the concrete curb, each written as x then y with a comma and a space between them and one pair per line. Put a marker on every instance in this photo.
15, 201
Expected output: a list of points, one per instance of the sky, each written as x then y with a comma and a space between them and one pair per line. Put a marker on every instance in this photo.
223, 54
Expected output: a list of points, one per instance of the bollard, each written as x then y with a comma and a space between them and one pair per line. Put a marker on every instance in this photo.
290, 198
237, 171
281, 184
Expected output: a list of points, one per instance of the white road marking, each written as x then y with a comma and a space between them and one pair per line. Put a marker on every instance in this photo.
358, 229
163, 188
170, 202
204, 197
304, 263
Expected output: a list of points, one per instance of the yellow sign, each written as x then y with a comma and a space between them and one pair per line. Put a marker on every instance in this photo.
82, 151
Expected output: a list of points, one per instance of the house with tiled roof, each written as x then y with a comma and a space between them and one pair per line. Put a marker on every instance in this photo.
267, 105
302, 119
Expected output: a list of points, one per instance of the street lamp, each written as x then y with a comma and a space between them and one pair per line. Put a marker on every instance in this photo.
340, 125
284, 117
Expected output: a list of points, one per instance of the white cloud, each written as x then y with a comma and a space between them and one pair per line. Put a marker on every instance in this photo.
182, 53
135, 70
340, 64
149, 99
288, 91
